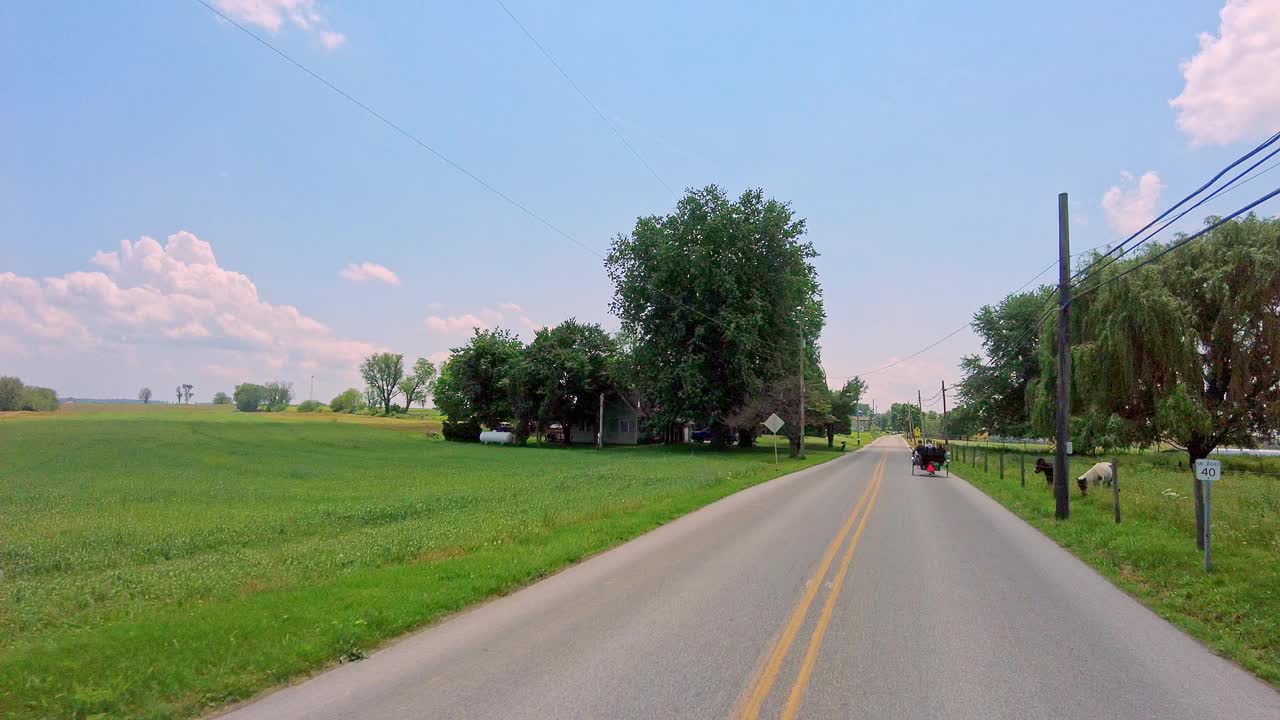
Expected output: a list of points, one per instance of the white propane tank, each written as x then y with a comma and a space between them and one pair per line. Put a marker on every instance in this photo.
494, 436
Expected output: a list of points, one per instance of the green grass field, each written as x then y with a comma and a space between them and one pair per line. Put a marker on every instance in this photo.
1152, 554
159, 561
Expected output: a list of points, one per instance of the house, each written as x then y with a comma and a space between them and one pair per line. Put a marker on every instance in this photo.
623, 424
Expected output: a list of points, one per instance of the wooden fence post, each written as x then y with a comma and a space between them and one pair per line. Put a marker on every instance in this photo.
1022, 467
1115, 489
1001, 464
985, 453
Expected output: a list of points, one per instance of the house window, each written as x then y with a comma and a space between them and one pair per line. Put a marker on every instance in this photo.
624, 426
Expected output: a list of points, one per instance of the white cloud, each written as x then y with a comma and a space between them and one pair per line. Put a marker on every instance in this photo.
1131, 205
169, 300
455, 323
485, 318
272, 14
1232, 86
360, 272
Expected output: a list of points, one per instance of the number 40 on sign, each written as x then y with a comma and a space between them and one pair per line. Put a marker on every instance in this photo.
1208, 470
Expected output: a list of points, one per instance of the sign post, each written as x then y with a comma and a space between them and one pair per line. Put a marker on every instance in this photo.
774, 423
1208, 471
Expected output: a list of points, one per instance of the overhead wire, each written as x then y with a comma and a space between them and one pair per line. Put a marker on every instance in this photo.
458, 167
612, 126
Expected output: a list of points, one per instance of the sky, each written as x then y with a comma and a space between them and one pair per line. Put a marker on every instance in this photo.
179, 204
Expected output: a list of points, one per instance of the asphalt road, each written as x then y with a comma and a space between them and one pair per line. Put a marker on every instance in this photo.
847, 590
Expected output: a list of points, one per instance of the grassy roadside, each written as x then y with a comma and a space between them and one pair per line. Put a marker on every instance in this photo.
1235, 609
161, 562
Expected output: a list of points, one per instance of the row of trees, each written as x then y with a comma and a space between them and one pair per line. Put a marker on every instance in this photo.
720, 308
14, 395
1184, 352
270, 397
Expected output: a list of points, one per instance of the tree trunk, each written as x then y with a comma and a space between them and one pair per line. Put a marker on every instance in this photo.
831, 436
719, 436
566, 437
793, 441
746, 438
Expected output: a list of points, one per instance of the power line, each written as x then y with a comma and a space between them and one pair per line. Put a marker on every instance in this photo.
451, 163
546, 54
1199, 190
1178, 244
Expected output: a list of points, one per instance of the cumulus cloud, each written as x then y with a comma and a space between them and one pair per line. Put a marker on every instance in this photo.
361, 272
1231, 87
273, 14
486, 318
1132, 204
170, 298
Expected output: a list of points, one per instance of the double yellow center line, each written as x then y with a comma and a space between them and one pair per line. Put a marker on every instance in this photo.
750, 705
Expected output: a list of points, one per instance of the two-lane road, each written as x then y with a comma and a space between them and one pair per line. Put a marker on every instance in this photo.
847, 590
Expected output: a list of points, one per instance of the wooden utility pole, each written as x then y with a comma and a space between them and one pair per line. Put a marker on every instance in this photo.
803, 390
944, 410
1061, 493
920, 404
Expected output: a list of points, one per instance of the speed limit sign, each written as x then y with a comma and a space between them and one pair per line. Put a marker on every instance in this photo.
1208, 470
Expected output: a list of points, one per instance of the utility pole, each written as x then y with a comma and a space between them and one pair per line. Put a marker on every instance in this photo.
1061, 494
311, 394
944, 410
802, 390
920, 404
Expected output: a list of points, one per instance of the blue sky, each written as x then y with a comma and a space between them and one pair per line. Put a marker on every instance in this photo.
901, 131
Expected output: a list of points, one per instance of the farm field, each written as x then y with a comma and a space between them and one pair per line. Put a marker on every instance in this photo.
1235, 609
156, 562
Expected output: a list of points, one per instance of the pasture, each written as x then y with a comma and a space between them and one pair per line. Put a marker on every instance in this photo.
156, 562
1235, 609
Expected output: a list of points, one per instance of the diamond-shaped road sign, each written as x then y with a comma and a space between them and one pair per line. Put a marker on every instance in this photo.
774, 423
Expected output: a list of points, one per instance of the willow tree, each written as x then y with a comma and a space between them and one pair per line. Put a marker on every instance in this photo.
1185, 350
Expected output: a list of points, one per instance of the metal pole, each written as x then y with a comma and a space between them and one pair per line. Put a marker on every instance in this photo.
920, 404
1022, 466
1061, 494
1208, 560
1002, 464
803, 389
600, 424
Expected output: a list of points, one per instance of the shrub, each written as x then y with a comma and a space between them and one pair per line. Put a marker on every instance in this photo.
462, 431
221, 398
348, 401
10, 393
311, 406
249, 397
38, 398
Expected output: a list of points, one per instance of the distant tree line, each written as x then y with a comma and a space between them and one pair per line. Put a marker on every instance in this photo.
269, 397
14, 395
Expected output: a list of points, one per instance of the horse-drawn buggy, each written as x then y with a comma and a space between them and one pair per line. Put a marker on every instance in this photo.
931, 459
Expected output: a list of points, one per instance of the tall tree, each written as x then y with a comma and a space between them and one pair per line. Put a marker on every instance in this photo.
719, 301
277, 395
178, 390
145, 395
843, 404
186, 392
474, 384
383, 372
995, 387
416, 385
562, 374
221, 398
1186, 350
11, 389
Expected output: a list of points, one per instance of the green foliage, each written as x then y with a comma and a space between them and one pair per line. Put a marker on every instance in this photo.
348, 401
843, 404
221, 398
383, 372
276, 396
11, 389
712, 300
462, 431
560, 376
249, 397
40, 399
418, 384
311, 406
996, 388
473, 384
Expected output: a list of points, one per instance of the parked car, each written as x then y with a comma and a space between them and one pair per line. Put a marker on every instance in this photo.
703, 435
